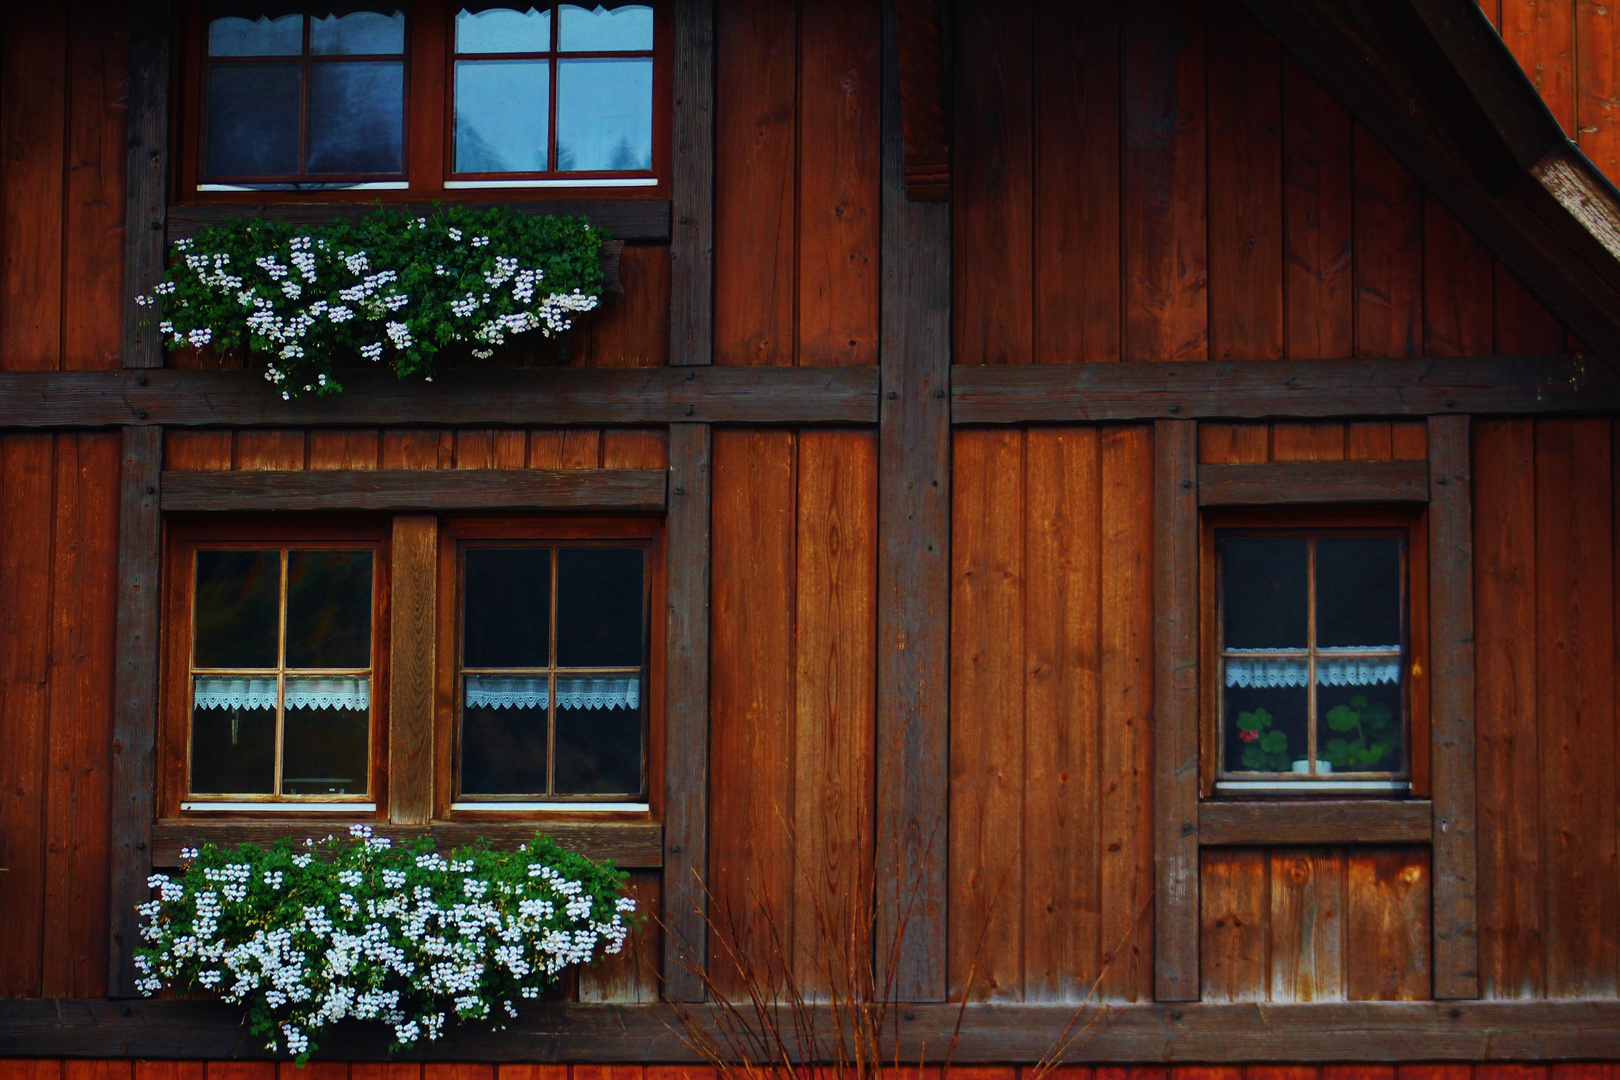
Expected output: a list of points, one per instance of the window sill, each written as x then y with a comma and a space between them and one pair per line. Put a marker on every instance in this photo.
1250, 788
630, 844
1315, 821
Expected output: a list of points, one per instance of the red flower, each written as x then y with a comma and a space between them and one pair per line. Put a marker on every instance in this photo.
1248, 736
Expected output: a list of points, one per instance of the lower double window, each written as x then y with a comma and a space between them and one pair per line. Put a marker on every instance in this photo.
277, 666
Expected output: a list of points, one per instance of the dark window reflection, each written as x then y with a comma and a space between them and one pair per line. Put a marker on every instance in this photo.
502, 115
252, 127
233, 751
599, 607
329, 609
1263, 592
507, 608
1267, 728
357, 33
1358, 592
503, 751
356, 118
599, 751
328, 751
237, 609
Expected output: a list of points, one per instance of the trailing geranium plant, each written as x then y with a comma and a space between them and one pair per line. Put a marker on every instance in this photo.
391, 288
339, 928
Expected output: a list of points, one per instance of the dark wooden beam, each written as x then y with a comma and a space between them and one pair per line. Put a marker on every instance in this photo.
1257, 389
146, 184
412, 667
913, 574
628, 844
1451, 709
686, 715
1175, 710
1151, 1034
551, 396
395, 490
1314, 821
135, 694
925, 92
691, 246
1297, 482
623, 219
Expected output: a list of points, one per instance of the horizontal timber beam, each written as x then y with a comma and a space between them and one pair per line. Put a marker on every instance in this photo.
417, 489
1256, 389
1311, 821
627, 843
1001, 1034
531, 396
1296, 482
623, 219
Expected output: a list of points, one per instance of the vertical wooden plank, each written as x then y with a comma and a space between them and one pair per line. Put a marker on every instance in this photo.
1542, 38
1307, 924
582, 448
686, 721
632, 330
414, 582
1458, 297
835, 696
754, 189
1358, 1072
1320, 440
1062, 720
1505, 634
1077, 198
1451, 696
26, 497
629, 976
312, 1070
474, 448
401, 1070
436, 1071
270, 449
147, 176
1429, 1071
1522, 326
1387, 924
171, 1070
1126, 807
1233, 914
840, 112
1409, 440
1175, 702
1317, 218
1575, 694
93, 229
1389, 252
82, 624
914, 582
343, 448
197, 450
1368, 440
416, 449
634, 448
503, 1071
1245, 187
1165, 228
1234, 444
33, 115
692, 206
987, 715
751, 699
1597, 85
992, 184
135, 691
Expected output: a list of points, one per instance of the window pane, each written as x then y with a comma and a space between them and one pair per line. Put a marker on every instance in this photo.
233, 737
235, 35
503, 750
1266, 727
1263, 592
625, 28
358, 32
356, 117
327, 749
598, 748
599, 607
507, 613
502, 109
1359, 727
1358, 592
252, 124
237, 610
329, 609
604, 115
503, 30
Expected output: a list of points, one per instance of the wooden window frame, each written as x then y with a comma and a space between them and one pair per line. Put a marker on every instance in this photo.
183, 540
428, 127
1412, 523
455, 536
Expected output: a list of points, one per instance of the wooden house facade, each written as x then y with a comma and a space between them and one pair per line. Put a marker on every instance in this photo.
951, 339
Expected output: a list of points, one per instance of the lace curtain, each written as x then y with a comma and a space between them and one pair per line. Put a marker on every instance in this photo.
534, 692
1331, 670
227, 692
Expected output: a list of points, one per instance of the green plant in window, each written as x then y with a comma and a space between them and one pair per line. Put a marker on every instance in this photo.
1267, 749
1375, 734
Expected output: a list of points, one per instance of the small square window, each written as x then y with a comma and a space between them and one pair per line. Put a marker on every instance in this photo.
1312, 659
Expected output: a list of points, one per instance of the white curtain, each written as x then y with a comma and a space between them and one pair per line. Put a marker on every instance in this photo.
1332, 669
326, 692
534, 692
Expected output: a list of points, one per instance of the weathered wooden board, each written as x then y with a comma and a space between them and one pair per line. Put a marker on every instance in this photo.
691, 246
1332, 482
1314, 822
399, 490
412, 702
624, 219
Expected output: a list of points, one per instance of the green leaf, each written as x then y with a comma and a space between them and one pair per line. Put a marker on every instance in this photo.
1274, 742
1342, 718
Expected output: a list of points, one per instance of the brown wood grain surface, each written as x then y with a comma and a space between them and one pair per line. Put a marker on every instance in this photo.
1317, 216
691, 247
98, 106
625, 219
1387, 924
1335, 482
1389, 252
1307, 924
1234, 920
33, 133
413, 582
1314, 821
1457, 286
576, 489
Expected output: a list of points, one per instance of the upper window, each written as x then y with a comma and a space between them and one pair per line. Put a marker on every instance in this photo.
423, 97
1312, 659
